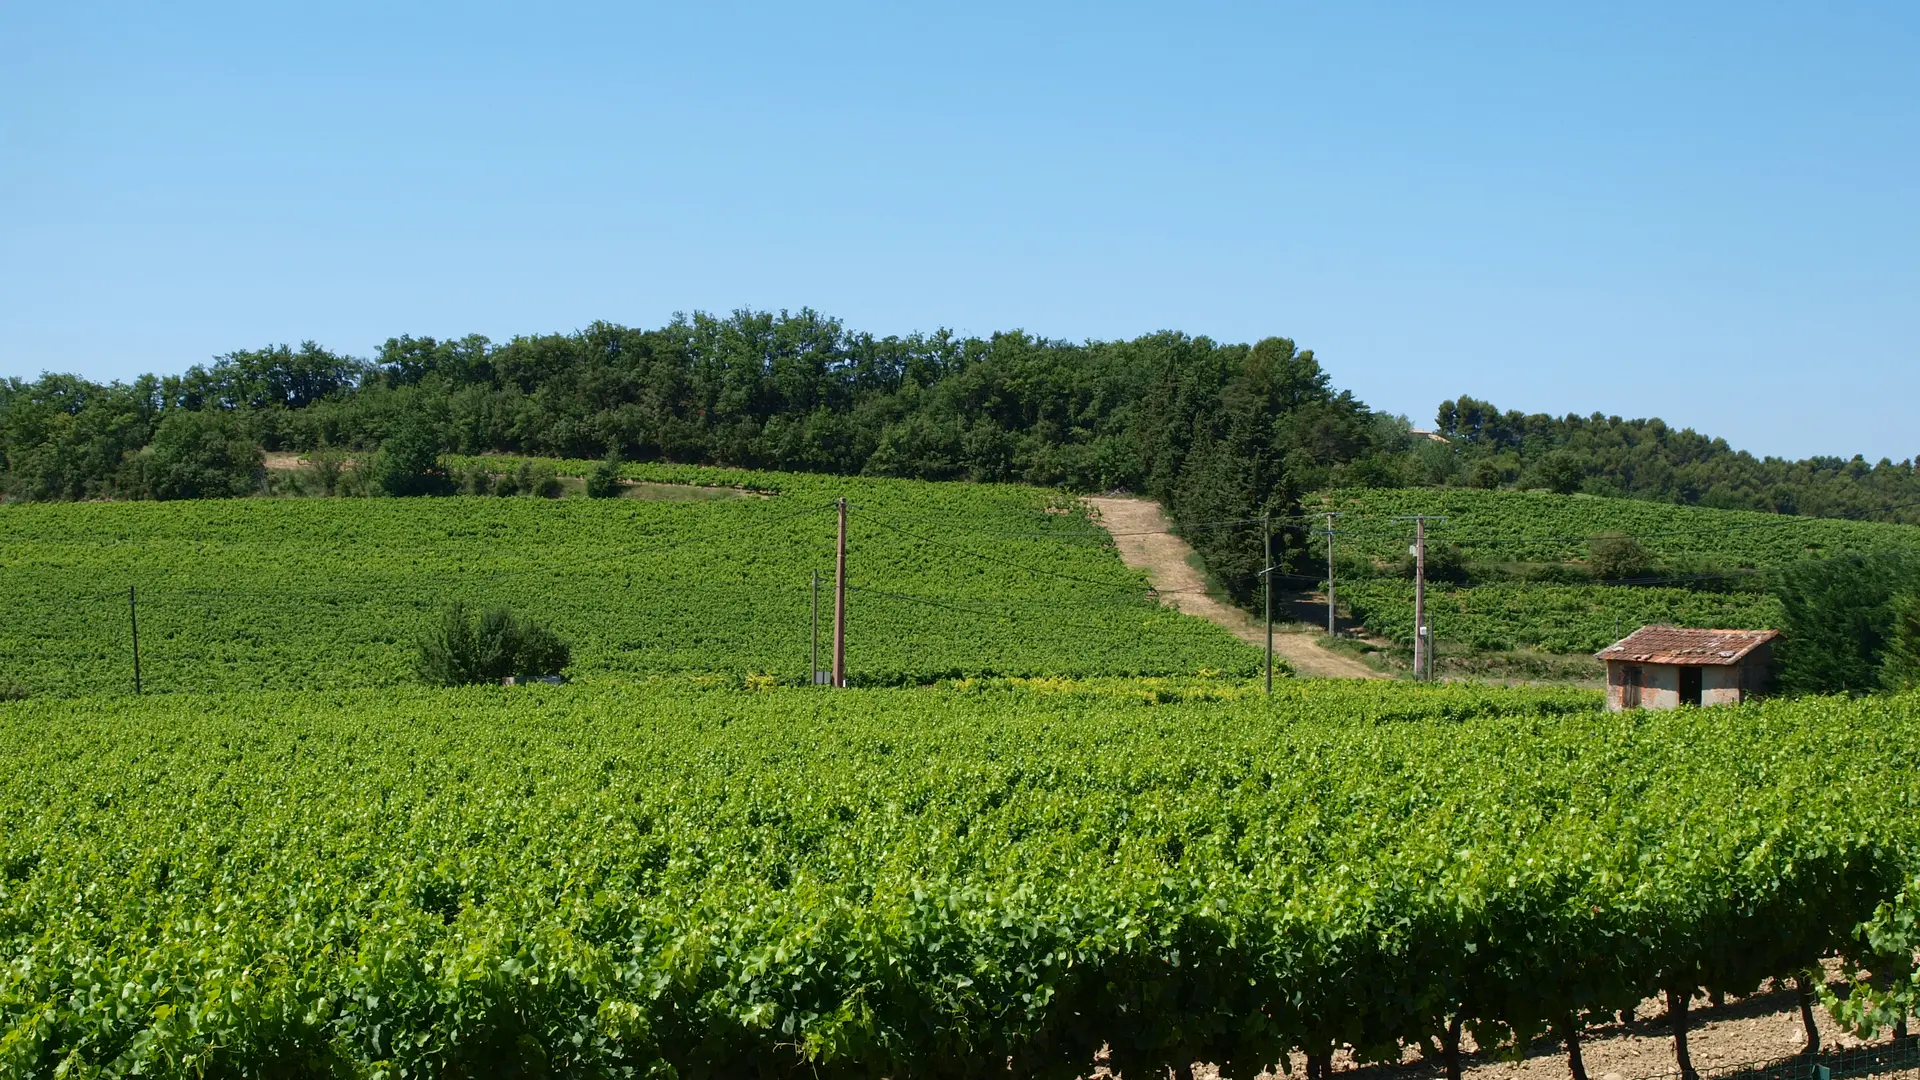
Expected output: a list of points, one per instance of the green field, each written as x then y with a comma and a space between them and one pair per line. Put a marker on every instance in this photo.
951, 580
1705, 567
1094, 832
1550, 618
1532, 526
628, 880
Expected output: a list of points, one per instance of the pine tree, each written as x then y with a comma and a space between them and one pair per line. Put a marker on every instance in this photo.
1900, 670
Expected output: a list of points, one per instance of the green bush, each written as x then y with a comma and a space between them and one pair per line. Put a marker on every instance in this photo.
1901, 668
459, 651
542, 480
202, 455
1560, 472
1840, 621
1614, 556
604, 481
408, 461
323, 472
1445, 563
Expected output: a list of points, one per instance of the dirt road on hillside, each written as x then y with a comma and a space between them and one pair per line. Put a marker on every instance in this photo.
1140, 530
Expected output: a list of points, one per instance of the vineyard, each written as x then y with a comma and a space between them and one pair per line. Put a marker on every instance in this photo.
1532, 526
950, 580
1522, 564
1551, 618
989, 879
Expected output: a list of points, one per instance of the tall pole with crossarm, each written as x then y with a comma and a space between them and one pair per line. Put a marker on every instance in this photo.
840, 602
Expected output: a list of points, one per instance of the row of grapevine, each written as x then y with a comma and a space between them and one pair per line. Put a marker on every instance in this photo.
1691, 566
1531, 526
1551, 618
957, 580
987, 880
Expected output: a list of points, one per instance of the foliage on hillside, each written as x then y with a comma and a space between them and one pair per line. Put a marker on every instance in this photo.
1852, 625
575, 881
1570, 573
1646, 459
1550, 618
1214, 431
1495, 528
951, 580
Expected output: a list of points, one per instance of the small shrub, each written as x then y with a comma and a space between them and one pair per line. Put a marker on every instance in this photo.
357, 481
1617, 556
1559, 472
459, 650
1445, 563
531, 478
408, 461
323, 471
474, 480
1901, 668
543, 480
604, 481
12, 692
1488, 474
204, 454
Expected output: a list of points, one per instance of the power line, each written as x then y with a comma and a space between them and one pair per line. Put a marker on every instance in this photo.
1675, 579
1129, 586
659, 550
1006, 615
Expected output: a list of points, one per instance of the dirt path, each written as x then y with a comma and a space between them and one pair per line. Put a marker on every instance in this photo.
1764, 1028
1140, 531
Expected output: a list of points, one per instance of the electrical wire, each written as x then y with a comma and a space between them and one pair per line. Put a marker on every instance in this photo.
1007, 615
659, 550
1130, 586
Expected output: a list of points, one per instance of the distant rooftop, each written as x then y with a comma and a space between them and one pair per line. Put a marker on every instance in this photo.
1681, 645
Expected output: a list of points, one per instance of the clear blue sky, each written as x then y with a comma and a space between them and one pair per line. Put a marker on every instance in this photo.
1707, 212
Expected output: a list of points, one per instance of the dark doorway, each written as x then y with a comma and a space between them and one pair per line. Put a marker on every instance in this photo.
1689, 686
1630, 687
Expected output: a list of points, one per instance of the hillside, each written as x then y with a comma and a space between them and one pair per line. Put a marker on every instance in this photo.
1519, 570
949, 579
1211, 430
1505, 527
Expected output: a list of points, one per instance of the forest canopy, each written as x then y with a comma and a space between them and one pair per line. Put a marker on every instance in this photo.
1214, 430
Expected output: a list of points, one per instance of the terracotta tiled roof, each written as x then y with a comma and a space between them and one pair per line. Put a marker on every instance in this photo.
1680, 645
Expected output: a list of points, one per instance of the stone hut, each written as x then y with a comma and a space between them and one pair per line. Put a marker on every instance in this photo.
1665, 667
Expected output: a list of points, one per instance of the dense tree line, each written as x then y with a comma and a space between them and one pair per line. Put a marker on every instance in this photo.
1646, 459
1851, 625
1216, 431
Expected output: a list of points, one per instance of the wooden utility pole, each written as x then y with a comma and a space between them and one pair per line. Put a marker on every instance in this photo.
1419, 597
1266, 530
1331, 630
813, 656
840, 601
1422, 634
133, 619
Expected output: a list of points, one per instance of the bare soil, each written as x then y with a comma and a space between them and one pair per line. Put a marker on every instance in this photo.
1142, 533
1763, 1029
